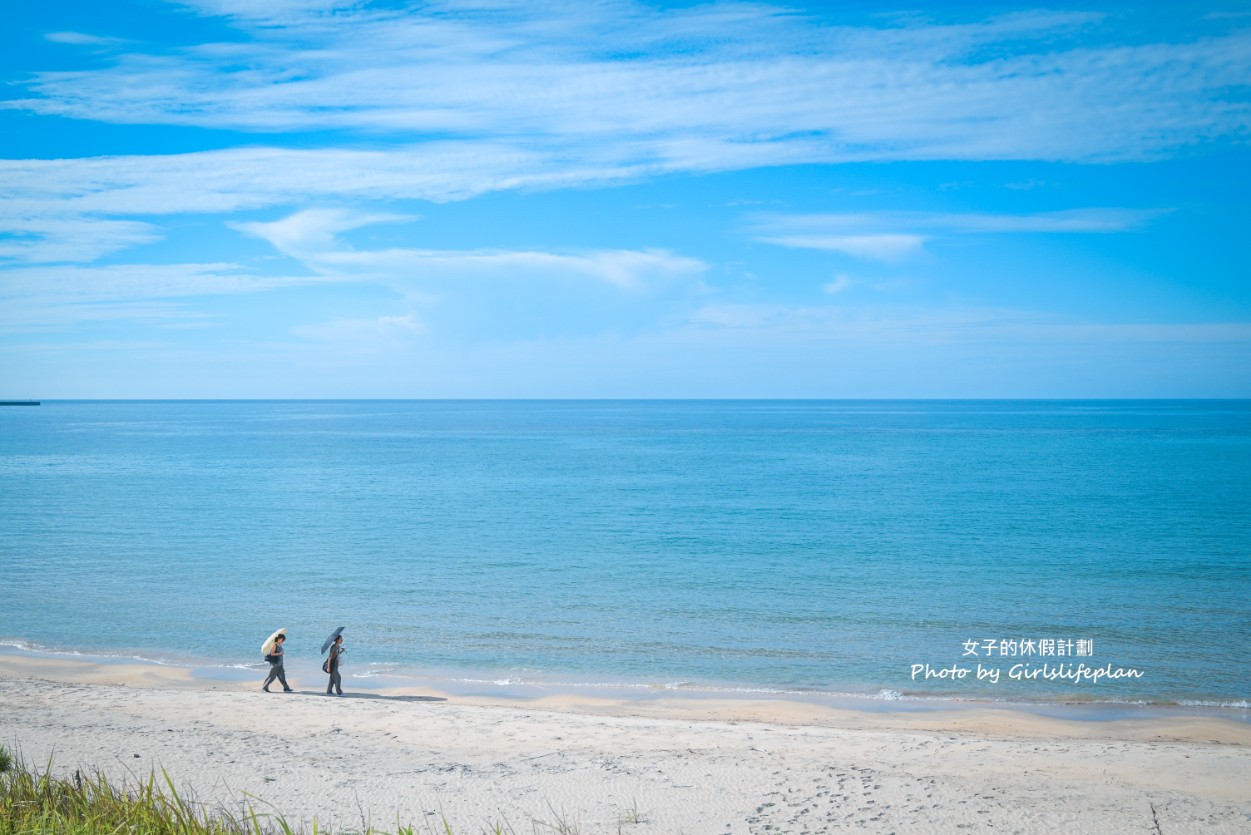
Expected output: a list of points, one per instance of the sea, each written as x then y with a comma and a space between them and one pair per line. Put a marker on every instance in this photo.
1040, 552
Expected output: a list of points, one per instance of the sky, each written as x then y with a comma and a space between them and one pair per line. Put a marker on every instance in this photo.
606, 198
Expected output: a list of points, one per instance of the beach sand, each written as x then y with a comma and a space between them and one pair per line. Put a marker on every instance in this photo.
669, 765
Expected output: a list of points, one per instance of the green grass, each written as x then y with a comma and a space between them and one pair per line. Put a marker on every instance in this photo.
33, 802
632, 816
36, 803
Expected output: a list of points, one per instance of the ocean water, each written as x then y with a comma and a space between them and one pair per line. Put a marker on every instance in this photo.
804, 547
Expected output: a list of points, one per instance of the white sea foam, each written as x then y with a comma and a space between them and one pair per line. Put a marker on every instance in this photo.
26, 646
114, 657
1239, 704
40, 649
374, 671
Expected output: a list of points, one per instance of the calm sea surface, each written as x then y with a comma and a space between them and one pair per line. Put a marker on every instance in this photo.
833, 547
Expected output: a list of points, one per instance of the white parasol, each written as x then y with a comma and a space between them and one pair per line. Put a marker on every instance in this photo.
268, 646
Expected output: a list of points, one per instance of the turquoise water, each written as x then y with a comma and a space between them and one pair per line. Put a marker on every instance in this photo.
795, 546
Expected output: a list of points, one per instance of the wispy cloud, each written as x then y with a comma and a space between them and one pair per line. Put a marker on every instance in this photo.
50, 236
760, 83
312, 237
928, 326
66, 209
271, 12
887, 247
457, 100
54, 297
1075, 221
77, 210
893, 236
141, 280
82, 39
838, 285
376, 333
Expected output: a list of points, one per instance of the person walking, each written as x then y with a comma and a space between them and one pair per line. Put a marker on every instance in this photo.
276, 670
335, 687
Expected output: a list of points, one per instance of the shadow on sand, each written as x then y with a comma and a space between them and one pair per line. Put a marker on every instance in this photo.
377, 697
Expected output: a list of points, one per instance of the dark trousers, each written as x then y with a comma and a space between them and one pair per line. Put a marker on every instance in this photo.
336, 682
277, 672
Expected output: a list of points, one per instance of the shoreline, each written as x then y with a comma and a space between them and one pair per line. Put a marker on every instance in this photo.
1001, 718
687, 698
392, 757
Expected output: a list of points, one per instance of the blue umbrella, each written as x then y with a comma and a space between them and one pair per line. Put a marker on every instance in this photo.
325, 646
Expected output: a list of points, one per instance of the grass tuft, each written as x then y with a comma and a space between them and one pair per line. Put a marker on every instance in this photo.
631, 816
33, 802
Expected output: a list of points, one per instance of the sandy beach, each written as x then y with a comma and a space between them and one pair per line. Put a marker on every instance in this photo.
386, 758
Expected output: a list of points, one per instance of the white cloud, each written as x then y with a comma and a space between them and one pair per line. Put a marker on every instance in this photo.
32, 316
50, 237
838, 285
445, 101
53, 297
271, 12
123, 281
887, 247
59, 210
946, 326
757, 83
608, 288
624, 269
64, 209
81, 39
357, 332
1080, 221
463, 99
312, 237
247, 178
894, 236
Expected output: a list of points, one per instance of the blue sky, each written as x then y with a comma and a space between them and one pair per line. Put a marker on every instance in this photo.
315, 198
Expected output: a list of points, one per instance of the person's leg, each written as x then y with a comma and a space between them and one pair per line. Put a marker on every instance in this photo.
273, 674
282, 679
338, 682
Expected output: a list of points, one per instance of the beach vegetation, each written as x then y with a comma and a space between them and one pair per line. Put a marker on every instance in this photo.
632, 815
35, 802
